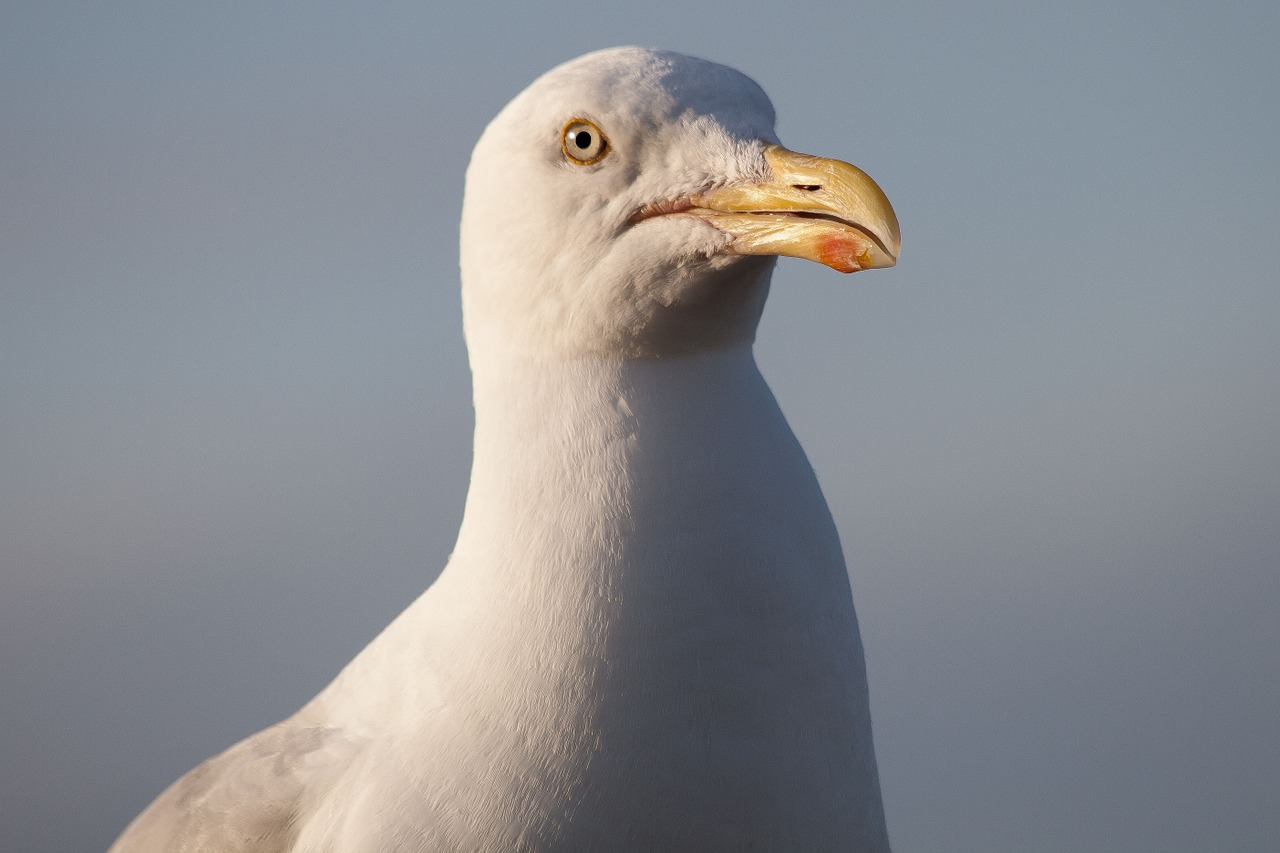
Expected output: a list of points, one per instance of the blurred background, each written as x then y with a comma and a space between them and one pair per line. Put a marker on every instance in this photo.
235, 414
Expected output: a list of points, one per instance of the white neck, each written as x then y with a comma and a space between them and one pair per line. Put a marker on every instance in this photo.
571, 457
715, 655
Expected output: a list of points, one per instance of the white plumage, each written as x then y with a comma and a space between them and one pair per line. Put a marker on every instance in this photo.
644, 638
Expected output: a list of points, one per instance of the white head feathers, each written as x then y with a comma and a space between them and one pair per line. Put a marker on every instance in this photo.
549, 259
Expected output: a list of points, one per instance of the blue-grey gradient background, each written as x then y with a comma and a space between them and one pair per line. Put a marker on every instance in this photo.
235, 415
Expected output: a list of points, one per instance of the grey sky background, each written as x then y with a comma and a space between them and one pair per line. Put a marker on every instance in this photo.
235, 415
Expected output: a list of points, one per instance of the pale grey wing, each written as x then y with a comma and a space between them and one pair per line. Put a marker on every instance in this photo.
251, 798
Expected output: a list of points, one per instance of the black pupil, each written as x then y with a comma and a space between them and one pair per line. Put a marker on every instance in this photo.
582, 139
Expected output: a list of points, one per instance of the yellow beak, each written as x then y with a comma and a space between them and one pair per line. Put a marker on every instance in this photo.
811, 207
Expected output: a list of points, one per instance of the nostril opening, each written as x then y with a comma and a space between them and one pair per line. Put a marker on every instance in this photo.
807, 187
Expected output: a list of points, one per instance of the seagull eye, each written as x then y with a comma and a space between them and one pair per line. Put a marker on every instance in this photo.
583, 142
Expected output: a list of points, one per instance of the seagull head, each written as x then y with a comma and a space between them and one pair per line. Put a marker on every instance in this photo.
632, 202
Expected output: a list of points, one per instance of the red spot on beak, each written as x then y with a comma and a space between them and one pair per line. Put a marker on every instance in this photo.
842, 252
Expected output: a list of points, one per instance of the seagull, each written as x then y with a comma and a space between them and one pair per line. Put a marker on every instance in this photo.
644, 639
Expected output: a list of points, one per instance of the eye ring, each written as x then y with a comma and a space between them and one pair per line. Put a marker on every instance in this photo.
583, 142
